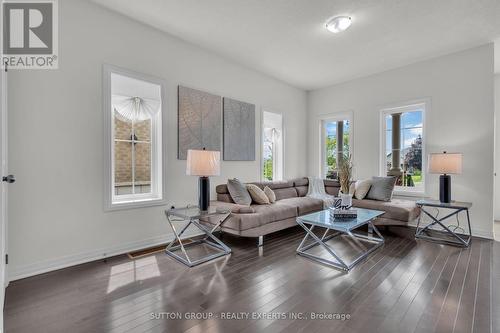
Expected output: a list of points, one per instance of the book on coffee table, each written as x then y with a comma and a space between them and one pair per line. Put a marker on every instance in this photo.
343, 214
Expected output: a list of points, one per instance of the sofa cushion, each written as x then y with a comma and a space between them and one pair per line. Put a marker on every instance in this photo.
258, 196
304, 205
270, 194
396, 209
221, 189
284, 193
239, 192
225, 206
331, 182
273, 185
226, 197
261, 215
352, 188
382, 188
361, 188
277, 184
302, 190
332, 190
264, 214
245, 210
304, 181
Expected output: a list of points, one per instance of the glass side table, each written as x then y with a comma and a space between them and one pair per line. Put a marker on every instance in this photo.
192, 214
454, 238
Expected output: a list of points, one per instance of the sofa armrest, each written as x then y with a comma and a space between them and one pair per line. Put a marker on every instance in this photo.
234, 208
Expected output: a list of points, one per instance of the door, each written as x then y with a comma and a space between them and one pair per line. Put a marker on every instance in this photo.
3, 185
3, 191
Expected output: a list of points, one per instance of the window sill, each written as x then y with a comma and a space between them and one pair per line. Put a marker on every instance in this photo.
144, 203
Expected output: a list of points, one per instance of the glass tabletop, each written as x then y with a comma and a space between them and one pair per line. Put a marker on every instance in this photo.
323, 219
193, 212
437, 203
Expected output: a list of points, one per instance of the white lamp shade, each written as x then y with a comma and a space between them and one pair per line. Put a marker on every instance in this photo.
203, 163
445, 163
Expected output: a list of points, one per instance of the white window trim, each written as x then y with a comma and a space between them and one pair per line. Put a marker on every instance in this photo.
158, 167
408, 106
331, 117
282, 153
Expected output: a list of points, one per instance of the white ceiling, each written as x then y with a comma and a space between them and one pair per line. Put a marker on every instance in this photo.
286, 39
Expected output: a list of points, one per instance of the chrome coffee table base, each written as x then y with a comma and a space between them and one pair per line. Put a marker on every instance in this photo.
208, 239
336, 261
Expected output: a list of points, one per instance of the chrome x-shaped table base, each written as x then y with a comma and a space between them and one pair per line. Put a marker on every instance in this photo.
337, 261
456, 240
208, 239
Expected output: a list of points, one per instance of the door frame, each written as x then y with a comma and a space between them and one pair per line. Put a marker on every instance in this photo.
3, 190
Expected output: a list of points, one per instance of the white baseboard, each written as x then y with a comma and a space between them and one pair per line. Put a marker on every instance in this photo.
45, 266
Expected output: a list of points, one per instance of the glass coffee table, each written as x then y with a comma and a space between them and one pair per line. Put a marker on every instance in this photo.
336, 228
192, 214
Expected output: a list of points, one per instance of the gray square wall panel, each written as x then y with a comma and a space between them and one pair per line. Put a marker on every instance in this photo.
239, 130
199, 121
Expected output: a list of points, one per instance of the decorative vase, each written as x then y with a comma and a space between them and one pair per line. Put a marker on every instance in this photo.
346, 199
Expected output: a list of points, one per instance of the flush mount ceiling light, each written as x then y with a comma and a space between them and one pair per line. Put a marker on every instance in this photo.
338, 24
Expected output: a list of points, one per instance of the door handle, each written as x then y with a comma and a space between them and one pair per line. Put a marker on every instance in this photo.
9, 179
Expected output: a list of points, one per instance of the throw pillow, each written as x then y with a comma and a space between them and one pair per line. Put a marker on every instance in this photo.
270, 194
382, 188
258, 196
238, 192
352, 188
361, 189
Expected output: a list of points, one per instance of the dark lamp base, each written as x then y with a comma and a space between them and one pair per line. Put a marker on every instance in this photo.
445, 188
203, 193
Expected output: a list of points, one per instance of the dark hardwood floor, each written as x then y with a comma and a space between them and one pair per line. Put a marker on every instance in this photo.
406, 286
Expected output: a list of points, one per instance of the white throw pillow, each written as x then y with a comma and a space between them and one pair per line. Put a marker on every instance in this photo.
362, 188
352, 189
258, 196
270, 194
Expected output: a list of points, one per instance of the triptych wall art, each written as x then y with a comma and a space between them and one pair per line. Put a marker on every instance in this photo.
199, 121
206, 121
239, 130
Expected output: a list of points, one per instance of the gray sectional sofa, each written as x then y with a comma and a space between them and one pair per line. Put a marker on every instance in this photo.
291, 201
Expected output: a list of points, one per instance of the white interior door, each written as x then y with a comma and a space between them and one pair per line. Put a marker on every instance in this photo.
3, 184
3, 188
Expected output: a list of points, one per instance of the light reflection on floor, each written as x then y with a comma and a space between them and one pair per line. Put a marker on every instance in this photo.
129, 272
218, 279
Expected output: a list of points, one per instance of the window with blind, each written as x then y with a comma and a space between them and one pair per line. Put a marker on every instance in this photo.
134, 118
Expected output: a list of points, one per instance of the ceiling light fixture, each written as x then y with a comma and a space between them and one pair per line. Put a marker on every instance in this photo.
338, 24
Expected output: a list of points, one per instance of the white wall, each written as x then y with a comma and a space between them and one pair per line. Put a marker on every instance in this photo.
56, 212
460, 87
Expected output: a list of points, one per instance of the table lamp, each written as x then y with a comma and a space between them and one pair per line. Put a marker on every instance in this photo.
203, 163
445, 164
